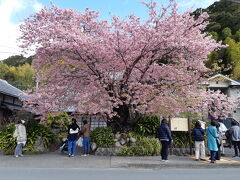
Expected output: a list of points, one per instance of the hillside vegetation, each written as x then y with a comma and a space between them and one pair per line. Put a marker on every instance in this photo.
224, 25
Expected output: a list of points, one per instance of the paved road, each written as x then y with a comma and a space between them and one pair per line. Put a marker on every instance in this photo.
117, 174
57, 160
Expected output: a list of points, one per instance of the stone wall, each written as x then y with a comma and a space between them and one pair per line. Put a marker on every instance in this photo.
184, 151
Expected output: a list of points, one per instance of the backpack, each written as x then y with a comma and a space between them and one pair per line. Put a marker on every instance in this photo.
228, 134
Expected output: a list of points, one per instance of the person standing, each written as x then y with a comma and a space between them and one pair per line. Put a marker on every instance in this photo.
234, 132
198, 136
219, 141
73, 131
212, 135
86, 138
165, 137
21, 135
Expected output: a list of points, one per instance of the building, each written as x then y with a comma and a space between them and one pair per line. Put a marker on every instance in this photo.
227, 86
9, 101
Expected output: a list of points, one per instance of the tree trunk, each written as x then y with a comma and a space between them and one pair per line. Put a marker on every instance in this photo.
124, 120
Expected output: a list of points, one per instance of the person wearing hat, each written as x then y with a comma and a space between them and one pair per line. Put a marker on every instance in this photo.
21, 135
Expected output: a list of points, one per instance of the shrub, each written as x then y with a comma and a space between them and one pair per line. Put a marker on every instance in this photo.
34, 130
143, 147
103, 137
59, 123
147, 125
180, 139
7, 141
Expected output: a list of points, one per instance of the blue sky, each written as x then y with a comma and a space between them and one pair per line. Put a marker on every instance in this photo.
12, 13
107, 8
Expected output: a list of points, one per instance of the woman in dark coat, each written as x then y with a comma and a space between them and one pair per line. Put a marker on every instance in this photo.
73, 131
198, 136
165, 137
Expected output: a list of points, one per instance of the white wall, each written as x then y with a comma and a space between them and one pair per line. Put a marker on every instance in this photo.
234, 92
218, 84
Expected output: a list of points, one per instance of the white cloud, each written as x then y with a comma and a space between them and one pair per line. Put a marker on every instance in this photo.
37, 6
9, 31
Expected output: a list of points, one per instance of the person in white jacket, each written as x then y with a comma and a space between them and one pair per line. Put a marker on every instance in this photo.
21, 135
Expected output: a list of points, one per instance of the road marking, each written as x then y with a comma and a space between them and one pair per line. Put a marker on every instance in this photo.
222, 161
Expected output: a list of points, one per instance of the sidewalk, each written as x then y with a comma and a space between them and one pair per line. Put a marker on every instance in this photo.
57, 160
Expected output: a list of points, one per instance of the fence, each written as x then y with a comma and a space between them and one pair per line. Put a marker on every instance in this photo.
93, 120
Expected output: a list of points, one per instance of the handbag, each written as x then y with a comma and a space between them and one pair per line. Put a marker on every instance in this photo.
218, 142
80, 142
217, 139
73, 131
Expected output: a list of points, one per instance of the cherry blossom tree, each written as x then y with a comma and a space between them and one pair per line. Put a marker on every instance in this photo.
121, 68
212, 104
217, 104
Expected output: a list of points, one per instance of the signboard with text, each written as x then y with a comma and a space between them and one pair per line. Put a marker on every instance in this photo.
179, 124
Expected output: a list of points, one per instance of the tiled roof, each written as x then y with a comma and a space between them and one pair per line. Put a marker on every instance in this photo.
8, 89
233, 82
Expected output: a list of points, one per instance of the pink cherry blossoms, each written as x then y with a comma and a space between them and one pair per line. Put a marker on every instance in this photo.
217, 104
120, 68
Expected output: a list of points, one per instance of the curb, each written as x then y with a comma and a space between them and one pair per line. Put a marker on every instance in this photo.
182, 166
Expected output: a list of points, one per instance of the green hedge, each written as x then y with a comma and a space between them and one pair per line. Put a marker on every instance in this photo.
103, 137
7, 141
147, 126
60, 123
180, 139
143, 147
34, 130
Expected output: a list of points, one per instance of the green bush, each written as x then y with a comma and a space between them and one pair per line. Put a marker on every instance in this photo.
34, 130
60, 123
103, 137
147, 126
7, 141
143, 147
180, 139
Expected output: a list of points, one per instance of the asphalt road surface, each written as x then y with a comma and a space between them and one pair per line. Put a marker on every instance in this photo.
117, 174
